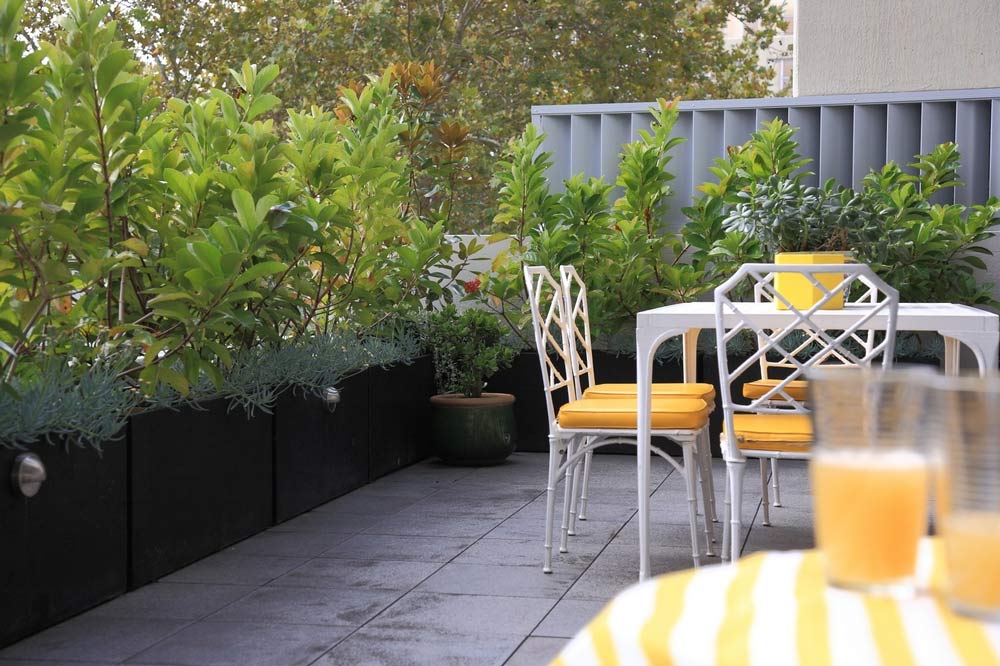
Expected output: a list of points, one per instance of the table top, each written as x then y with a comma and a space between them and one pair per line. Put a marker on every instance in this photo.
941, 317
773, 609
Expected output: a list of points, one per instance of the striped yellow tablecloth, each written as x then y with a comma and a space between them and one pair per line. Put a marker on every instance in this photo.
773, 609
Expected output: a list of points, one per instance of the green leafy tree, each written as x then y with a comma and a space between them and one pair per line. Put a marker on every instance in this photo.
494, 58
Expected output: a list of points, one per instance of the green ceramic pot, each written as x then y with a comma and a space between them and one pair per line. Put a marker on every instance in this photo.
473, 431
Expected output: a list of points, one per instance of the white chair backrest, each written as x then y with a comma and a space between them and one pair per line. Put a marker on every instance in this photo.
548, 317
575, 306
831, 336
868, 294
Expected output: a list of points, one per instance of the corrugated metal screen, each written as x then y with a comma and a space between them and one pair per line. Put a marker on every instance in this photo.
845, 136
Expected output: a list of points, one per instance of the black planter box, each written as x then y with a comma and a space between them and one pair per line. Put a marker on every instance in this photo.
400, 416
524, 380
319, 454
201, 479
64, 550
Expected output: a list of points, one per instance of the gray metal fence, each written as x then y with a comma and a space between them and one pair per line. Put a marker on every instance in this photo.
844, 135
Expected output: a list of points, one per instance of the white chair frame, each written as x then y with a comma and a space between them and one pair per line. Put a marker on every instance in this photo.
731, 317
582, 356
568, 446
763, 296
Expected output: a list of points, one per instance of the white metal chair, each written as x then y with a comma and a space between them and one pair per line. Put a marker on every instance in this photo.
772, 370
582, 356
760, 428
583, 424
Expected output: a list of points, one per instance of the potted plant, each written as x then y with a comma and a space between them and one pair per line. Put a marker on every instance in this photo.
469, 426
799, 224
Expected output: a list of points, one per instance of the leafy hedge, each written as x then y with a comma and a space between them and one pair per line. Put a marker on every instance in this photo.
183, 242
757, 205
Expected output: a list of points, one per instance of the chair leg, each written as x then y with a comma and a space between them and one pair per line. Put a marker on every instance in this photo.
764, 501
735, 474
567, 498
585, 486
574, 496
709, 475
550, 500
774, 482
690, 480
726, 523
705, 495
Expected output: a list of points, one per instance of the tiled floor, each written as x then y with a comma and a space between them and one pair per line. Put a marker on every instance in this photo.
430, 565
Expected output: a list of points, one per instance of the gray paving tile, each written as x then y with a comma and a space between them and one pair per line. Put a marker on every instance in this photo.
366, 503
444, 505
335, 522
234, 568
399, 547
358, 574
535, 651
568, 617
300, 605
492, 492
597, 509
389, 487
449, 614
172, 601
383, 646
289, 544
500, 581
243, 644
434, 525
432, 471
528, 552
92, 638
530, 527
618, 568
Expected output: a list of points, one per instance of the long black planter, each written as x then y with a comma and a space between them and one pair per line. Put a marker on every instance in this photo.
320, 454
201, 479
400, 415
64, 550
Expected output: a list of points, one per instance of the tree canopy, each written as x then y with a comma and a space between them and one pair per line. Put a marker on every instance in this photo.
496, 57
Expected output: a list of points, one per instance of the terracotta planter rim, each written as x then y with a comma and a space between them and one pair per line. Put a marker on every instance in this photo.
459, 400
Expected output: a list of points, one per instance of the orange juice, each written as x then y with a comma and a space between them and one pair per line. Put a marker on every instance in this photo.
972, 549
942, 493
870, 512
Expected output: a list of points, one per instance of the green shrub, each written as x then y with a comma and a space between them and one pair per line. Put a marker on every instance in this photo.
468, 349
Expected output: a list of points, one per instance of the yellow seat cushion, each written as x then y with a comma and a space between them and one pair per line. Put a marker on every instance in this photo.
796, 388
773, 432
674, 390
620, 413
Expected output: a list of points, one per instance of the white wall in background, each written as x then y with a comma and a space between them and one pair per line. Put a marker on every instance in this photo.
860, 46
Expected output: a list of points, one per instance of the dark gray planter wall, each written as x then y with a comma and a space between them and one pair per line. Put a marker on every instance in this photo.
319, 454
64, 550
200, 481
400, 416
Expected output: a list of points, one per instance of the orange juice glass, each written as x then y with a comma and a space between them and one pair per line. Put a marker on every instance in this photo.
870, 477
970, 521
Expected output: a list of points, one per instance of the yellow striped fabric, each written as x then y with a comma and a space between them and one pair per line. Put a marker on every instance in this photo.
774, 609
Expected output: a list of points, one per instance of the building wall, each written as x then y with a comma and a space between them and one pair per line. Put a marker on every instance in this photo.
861, 46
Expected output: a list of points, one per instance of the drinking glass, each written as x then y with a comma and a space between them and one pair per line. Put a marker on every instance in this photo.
870, 476
967, 415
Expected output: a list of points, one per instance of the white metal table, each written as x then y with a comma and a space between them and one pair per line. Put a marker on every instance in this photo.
978, 329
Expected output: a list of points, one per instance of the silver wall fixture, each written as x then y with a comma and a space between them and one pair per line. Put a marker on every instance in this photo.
331, 396
27, 474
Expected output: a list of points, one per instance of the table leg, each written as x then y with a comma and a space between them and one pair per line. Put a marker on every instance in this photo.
690, 342
984, 345
645, 348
